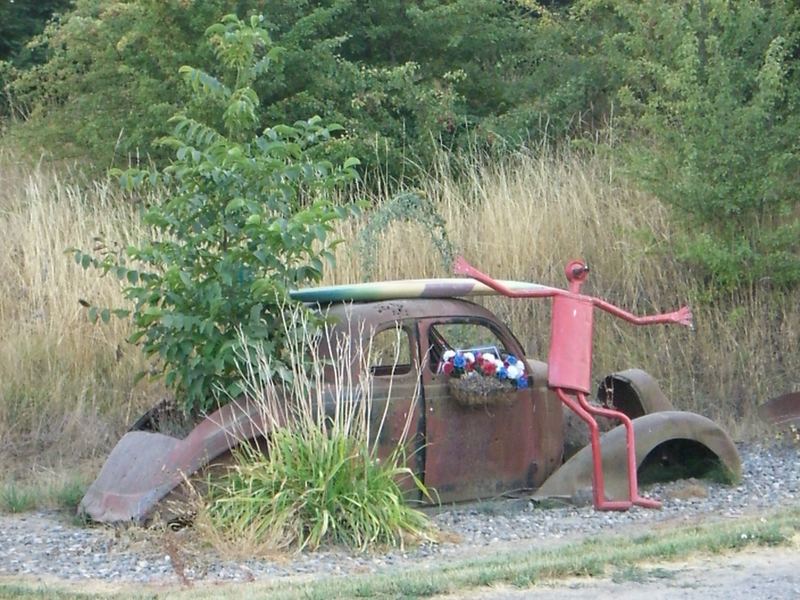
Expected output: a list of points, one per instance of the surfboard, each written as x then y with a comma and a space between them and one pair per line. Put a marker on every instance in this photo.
406, 288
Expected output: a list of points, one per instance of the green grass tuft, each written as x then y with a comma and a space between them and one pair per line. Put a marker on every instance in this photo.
63, 491
313, 487
16, 498
317, 479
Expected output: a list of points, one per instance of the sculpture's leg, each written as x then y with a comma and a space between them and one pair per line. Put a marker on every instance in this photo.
633, 483
598, 487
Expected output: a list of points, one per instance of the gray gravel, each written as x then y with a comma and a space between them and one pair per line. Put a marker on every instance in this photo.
47, 543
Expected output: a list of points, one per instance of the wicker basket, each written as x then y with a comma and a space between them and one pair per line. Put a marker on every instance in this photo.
477, 390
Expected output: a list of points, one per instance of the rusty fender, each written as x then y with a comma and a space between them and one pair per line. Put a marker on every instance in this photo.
574, 478
783, 410
144, 467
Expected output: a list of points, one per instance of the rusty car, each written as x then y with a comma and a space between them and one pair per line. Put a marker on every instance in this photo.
464, 453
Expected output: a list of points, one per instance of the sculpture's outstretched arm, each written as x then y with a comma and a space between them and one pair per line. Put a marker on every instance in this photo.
682, 316
462, 267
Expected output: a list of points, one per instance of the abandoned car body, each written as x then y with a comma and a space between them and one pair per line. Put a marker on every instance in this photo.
462, 452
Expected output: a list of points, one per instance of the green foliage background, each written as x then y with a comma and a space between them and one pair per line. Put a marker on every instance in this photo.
701, 95
242, 216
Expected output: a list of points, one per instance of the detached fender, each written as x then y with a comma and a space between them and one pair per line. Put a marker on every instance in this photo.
782, 411
573, 480
144, 467
634, 392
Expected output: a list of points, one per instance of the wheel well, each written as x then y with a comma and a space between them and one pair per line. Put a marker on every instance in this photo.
682, 458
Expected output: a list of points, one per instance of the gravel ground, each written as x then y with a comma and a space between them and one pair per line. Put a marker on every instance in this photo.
46, 544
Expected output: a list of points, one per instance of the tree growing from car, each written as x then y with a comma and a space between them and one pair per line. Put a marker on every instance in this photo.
241, 216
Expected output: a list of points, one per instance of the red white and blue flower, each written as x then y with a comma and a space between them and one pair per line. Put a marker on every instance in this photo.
507, 368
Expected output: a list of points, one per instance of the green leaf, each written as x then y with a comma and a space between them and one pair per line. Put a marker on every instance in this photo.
136, 336
235, 204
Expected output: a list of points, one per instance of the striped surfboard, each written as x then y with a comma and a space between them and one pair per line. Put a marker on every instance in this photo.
406, 288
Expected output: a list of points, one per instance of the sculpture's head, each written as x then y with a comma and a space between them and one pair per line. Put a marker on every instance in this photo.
577, 271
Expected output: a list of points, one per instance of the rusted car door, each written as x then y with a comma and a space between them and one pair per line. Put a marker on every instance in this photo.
475, 452
396, 413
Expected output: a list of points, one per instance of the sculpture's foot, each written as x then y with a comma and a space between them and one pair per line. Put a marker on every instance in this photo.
613, 505
646, 502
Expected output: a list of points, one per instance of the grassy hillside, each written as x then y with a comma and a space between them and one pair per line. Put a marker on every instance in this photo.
66, 386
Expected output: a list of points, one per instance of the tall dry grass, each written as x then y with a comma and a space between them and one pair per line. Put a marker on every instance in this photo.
525, 217
66, 386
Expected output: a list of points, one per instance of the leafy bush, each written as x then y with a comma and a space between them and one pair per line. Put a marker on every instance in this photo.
112, 67
319, 478
245, 216
402, 78
713, 90
19, 22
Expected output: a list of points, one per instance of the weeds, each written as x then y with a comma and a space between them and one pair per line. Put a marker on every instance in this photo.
46, 490
319, 478
66, 386
15, 498
634, 573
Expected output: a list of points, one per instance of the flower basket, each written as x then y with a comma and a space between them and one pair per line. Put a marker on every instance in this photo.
483, 379
475, 390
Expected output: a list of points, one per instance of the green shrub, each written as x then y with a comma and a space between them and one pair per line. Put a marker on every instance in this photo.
244, 216
318, 478
402, 78
19, 23
712, 90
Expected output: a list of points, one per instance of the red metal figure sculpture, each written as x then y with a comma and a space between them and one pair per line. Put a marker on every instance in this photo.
570, 360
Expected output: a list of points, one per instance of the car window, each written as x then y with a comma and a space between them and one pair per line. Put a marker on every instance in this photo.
467, 337
390, 352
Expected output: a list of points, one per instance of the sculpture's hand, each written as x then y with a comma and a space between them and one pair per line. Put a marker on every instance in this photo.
462, 267
683, 316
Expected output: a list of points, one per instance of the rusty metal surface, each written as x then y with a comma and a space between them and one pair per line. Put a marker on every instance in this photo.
783, 410
144, 467
633, 392
573, 481
550, 432
462, 453
465, 453
480, 452
374, 314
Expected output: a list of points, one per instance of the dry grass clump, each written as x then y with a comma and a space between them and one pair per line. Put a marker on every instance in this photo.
65, 385
525, 217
